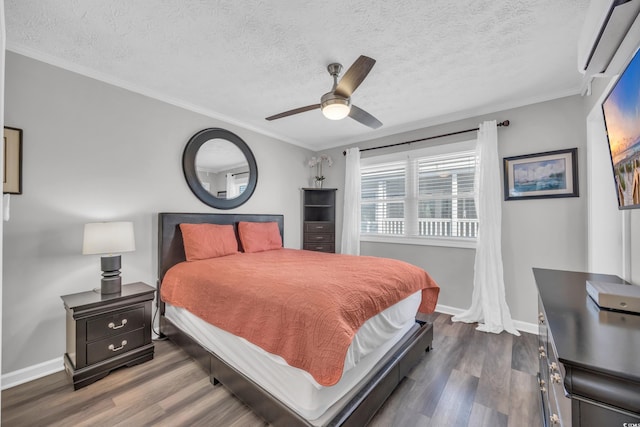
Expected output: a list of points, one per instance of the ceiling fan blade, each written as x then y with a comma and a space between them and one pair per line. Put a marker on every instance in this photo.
294, 111
359, 115
354, 76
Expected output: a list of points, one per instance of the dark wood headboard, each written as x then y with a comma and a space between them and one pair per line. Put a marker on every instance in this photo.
170, 246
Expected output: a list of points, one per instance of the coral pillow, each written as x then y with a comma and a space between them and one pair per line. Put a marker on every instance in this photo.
203, 241
259, 236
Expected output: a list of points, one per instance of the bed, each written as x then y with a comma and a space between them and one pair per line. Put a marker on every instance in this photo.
279, 393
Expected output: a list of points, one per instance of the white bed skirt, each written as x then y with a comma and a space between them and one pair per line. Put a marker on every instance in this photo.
292, 386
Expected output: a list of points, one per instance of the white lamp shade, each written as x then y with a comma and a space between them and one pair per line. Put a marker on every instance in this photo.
108, 238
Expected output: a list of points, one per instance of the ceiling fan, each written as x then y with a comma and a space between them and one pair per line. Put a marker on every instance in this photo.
336, 104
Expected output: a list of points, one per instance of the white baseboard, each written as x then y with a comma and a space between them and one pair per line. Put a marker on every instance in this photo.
531, 328
30, 373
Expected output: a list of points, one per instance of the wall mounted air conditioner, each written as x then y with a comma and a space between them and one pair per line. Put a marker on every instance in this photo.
605, 26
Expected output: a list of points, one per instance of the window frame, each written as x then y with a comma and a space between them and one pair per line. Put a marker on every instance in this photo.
443, 149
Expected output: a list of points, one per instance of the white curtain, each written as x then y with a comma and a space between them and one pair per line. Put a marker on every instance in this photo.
488, 303
351, 219
231, 186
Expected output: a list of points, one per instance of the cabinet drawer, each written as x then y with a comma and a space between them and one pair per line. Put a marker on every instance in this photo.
319, 227
114, 346
318, 238
115, 323
320, 247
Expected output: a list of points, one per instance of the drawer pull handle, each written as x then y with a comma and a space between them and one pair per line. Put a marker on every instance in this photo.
319, 237
541, 349
319, 247
553, 367
114, 348
543, 355
556, 378
319, 227
112, 325
554, 418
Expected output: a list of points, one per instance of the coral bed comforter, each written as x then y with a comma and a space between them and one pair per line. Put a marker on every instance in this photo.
303, 306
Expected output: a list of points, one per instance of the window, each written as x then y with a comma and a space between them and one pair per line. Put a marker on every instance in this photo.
426, 195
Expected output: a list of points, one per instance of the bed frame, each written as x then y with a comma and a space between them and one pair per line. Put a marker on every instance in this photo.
357, 410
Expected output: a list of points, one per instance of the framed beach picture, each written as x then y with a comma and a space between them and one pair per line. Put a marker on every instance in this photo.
12, 146
541, 175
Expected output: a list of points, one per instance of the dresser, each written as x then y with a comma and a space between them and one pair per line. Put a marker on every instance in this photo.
319, 219
589, 357
105, 332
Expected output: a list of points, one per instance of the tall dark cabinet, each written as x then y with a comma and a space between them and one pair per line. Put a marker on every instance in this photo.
319, 219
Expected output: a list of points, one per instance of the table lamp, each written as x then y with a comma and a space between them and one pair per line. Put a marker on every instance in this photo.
109, 238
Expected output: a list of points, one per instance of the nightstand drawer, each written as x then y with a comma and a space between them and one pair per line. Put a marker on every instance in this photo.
113, 346
319, 227
115, 323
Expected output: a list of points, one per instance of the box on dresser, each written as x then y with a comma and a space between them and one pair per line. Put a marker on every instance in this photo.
589, 365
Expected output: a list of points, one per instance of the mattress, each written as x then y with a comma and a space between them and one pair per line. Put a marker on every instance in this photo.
292, 386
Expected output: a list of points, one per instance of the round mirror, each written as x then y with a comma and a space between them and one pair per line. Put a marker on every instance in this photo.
220, 168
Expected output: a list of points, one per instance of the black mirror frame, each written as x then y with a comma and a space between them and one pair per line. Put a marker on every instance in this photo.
190, 174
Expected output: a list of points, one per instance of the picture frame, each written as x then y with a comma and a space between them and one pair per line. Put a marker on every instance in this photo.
12, 146
549, 174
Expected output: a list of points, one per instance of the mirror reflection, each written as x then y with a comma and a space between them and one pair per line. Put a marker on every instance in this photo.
222, 169
219, 168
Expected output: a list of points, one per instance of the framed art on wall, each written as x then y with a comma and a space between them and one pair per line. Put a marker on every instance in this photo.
541, 175
12, 146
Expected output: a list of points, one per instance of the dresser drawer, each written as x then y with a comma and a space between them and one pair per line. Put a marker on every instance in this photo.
320, 247
319, 227
113, 346
318, 238
115, 323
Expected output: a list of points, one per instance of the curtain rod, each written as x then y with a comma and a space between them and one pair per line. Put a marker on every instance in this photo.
504, 123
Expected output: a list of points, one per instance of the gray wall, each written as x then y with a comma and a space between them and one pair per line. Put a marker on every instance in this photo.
549, 233
96, 152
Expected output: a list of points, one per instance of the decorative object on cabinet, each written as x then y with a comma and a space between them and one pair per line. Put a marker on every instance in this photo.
541, 175
109, 238
12, 182
105, 332
220, 168
589, 366
319, 219
317, 163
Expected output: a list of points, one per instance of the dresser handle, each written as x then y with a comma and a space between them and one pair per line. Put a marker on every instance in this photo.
554, 418
556, 378
553, 367
319, 237
543, 355
114, 348
541, 317
112, 325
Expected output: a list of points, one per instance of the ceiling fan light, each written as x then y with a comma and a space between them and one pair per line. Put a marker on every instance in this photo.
336, 109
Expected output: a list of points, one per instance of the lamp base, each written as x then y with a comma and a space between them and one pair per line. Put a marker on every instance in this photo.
111, 282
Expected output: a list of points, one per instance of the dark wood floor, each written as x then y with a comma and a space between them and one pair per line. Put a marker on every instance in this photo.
470, 378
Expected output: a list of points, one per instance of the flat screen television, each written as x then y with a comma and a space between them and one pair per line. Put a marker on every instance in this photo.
621, 110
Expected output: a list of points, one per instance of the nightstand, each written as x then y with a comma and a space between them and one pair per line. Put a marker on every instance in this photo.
105, 332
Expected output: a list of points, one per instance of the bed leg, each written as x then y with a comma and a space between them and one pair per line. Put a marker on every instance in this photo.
214, 381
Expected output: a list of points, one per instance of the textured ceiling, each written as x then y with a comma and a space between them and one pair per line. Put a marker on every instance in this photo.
242, 61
